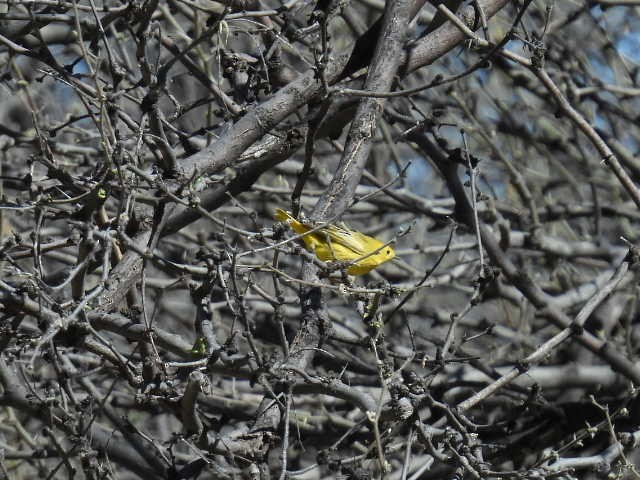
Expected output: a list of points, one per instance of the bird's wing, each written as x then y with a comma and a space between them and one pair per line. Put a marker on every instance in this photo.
350, 239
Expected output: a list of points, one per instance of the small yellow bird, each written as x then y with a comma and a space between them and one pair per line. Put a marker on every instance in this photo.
331, 243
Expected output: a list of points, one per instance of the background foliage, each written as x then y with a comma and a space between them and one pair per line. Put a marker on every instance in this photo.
157, 323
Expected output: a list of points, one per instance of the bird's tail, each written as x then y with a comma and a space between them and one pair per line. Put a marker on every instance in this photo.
294, 224
283, 216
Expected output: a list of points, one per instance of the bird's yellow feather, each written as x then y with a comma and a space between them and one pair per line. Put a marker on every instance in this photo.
331, 243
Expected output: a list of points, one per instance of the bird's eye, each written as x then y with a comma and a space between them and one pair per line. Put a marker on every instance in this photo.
388, 251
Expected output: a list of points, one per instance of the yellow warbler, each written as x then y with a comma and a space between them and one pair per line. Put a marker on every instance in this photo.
335, 243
